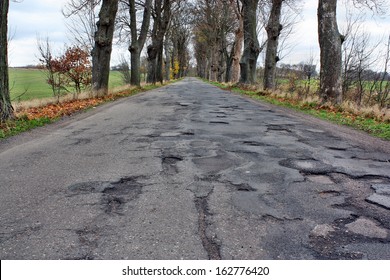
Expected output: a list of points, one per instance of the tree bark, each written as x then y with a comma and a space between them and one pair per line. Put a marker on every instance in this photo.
167, 60
233, 60
273, 32
101, 53
138, 42
6, 109
330, 41
251, 43
162, 17
239, 39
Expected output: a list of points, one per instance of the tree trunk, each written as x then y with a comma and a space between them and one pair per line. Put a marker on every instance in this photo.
162, 19
330, 41
221, 64
135, 60
238, 40
229, 64
101, 53
273, 32
152, 64
138, 42
251, 43
167, 60
160, 58
6, 109
214, 64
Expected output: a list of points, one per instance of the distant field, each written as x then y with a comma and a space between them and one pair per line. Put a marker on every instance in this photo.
33, 81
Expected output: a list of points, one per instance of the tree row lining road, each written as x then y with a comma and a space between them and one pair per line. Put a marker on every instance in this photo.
189, 171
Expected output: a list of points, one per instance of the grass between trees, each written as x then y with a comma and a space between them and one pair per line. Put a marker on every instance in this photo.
372, 120
29, 84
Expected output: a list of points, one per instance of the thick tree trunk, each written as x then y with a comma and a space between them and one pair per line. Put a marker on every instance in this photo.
155, 49
138, 42
237, 51
251, 43
6, 109
101, 53
330, 41
233, 60
135, 60
221, 61
273, 32
214, 64
160, 58
152, 64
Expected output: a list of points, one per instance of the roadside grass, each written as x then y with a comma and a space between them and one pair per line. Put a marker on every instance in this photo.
28, 84
19, 125
373, 120
32, 117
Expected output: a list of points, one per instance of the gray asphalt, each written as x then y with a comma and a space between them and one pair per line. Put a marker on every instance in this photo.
189, 171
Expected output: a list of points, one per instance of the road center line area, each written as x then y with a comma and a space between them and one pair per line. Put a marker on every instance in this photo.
189, 171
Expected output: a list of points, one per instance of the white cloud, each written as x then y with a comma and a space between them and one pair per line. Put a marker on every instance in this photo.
29, 19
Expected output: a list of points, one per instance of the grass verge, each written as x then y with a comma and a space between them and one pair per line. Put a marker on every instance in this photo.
29, 118
28, 84
376, 124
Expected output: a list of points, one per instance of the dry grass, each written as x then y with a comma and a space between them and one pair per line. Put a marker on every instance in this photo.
41, 102
301, 98
375, 112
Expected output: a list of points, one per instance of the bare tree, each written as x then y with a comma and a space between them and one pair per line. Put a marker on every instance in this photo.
330, 41
360, 61
383, 88
124, 69
6, 109
180, 31
274, 28
128, 21
308, 68
81, 18
101, 53
161, 14
351, 30
251, 43
233, 75
218, 37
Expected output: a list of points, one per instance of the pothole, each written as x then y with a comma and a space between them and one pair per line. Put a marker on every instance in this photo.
169, 164
278, 128
188, 133
309, 166
254, 143
171, 160
114, 194
218, 122
242, 187
329, 193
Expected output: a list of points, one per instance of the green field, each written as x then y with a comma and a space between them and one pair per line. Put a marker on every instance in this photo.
32, 81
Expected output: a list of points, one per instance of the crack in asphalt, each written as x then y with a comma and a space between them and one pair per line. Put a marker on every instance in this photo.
210, 244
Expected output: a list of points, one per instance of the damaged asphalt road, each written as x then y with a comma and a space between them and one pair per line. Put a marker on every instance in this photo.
189, 171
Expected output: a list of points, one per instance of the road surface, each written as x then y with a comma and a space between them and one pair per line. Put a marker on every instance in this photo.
189, 171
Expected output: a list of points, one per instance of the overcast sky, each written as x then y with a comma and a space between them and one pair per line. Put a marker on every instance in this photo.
32, 18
